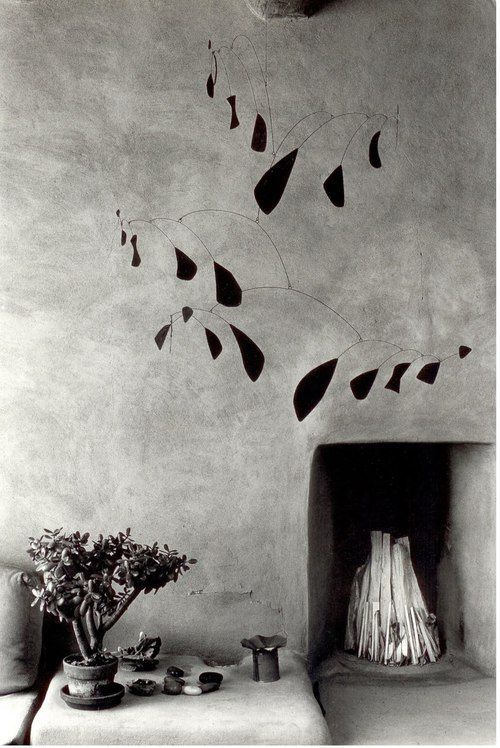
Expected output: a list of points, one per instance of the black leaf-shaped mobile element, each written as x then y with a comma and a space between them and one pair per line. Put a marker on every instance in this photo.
269, 190
231, 100
187, 313
394, 382
186, 267
213, 343
227, 288
259, 137
429, 372
312, 387
251, 355
362, 384
210, 44
334, 187
373, 153
210, 86
123, 238
464, 351
136, 260
161, 336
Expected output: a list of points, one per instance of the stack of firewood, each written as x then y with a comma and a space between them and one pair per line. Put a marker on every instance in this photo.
388, 620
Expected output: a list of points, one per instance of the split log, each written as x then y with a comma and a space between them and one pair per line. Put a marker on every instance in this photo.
388, 620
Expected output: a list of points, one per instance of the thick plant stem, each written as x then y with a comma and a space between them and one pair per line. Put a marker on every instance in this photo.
121, 610
94, 634
81, 639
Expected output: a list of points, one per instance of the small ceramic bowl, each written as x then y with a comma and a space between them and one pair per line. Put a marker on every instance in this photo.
142, 687
138, 664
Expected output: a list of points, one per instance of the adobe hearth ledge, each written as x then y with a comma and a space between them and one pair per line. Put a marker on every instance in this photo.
241, 712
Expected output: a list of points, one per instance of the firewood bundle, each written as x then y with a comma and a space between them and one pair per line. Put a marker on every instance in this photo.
388, 621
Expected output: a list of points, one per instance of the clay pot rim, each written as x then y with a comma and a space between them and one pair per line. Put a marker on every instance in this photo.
81, 671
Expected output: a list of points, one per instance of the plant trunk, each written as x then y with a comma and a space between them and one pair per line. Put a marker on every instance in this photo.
95, 633
81, 639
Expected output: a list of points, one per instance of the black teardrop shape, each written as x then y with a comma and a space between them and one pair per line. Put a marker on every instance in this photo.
373, 153
362, 384
136, 260
118, 212
259, 137
251, 355
464, 351
161, 336
269, 190
429, 372
187, 313
186, 267
312, 387
210, 86
213, 343
123, 238
334, 187
227, 288
395, 380
234, 117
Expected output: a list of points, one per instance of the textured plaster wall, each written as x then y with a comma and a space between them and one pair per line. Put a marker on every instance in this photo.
467, 573
103, 105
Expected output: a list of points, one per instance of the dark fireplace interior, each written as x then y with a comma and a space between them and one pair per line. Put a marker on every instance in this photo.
399, 488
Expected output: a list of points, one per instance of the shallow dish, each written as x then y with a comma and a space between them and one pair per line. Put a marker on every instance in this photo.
111, 695
142, 687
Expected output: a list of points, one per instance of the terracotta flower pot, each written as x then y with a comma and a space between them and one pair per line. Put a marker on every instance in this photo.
88, 680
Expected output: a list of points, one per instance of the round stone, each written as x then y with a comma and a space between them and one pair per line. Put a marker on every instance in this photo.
208, 687
175, 672
211, 677
191, 690
172, 686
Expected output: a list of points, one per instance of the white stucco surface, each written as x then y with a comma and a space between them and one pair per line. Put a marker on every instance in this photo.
241, 712
103, 105
16, 713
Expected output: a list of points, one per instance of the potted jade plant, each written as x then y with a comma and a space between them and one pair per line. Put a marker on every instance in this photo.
90, 584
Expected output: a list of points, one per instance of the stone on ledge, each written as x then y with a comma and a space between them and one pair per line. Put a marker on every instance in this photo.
190, 690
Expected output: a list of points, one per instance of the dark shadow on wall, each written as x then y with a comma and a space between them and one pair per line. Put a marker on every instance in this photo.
398, 488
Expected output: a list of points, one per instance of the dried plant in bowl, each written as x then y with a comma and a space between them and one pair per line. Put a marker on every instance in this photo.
142, 656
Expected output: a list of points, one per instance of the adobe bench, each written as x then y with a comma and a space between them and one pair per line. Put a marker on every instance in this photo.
241, 712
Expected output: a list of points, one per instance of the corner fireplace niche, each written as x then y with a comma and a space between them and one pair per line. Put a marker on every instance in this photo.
441, 496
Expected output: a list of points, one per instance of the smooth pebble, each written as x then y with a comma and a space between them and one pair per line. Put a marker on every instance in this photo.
175, 672
191, 690
208, 687
210, 677
172, 686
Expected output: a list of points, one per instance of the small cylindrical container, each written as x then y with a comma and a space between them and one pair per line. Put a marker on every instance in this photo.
266, 666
